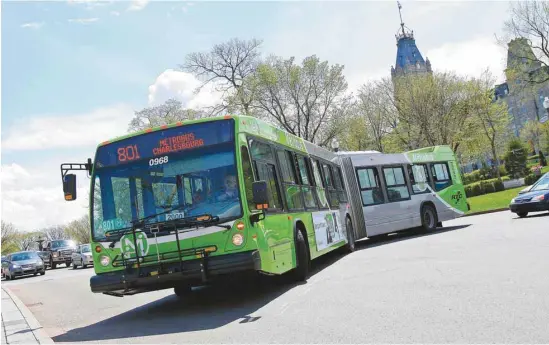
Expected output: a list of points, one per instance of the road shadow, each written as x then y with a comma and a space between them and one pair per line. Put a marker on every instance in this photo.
235, 300
404, 235
536, 215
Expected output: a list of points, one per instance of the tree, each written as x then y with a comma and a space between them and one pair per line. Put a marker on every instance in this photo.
377, 110
431, 110
9, 238
532, 132
492, 117
228, 65
529, 21
27, 241
56, 232
170, 112
515, 158
79, 230
307, 100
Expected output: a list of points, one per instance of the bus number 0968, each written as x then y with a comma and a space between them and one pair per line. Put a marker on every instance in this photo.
156, 161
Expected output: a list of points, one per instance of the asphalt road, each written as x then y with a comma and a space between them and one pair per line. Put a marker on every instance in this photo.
479, 279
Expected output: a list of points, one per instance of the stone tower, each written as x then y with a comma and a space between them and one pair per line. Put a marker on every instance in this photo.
409, 59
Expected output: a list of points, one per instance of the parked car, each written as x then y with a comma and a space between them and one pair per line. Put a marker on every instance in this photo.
532, 199
59, 252
82, 256
23, 263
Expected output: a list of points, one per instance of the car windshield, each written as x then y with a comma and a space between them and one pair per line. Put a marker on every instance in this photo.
182, 181
62, 243
86, 249
24, 256
542, 184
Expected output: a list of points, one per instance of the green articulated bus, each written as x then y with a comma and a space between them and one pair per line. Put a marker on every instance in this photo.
179, 205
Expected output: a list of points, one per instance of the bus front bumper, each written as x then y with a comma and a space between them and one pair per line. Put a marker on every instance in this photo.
149, 278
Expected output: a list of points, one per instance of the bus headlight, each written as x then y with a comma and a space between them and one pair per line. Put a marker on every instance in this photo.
105, 260
238, 239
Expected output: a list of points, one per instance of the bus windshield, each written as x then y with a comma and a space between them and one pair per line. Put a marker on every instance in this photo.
177, 183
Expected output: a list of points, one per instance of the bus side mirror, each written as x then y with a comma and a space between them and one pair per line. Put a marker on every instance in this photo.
260, 199
260, 196
69, 187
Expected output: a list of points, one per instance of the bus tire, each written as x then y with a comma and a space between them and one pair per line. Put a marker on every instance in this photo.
301, 272
429, 218
350, 246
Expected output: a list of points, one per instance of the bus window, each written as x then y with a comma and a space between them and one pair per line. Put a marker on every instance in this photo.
267, 172
329, 180
419, 178
370, 189
397, 189
338, 179
248, 176
320, 191
292, 191
304, 173
441, 176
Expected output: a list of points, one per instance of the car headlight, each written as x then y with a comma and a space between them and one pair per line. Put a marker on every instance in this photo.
55, 254
40, 263
512, 200
15, 266
539, 198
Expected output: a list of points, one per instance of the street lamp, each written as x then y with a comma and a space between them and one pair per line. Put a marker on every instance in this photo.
335, 144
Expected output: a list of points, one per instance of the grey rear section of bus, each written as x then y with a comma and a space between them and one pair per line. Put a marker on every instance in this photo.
388, 217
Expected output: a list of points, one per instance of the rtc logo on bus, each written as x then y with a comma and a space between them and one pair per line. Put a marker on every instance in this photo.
128, 245
457, 197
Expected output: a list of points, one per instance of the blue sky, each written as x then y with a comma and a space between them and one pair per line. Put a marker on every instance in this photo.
74, 72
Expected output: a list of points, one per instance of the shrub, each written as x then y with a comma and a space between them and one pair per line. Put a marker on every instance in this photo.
515, 158
498, 185
531, 179
502, 171
477, 190
542, 160
487, 186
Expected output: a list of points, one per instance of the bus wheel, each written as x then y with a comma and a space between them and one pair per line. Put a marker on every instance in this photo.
429, 218
302, 255
350, 246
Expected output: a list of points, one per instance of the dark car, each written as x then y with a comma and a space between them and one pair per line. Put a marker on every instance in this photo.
532, 199
23, 263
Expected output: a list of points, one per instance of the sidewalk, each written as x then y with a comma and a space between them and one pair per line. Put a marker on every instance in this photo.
19, 326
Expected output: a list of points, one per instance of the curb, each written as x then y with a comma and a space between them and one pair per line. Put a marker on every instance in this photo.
34, 325
485, 212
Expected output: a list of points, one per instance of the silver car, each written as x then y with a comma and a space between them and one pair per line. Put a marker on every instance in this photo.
82, 256
22, 263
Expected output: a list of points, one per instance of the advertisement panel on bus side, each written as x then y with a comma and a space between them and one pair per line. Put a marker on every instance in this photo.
328, 229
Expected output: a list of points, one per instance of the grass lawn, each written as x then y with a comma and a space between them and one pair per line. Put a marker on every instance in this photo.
493, 201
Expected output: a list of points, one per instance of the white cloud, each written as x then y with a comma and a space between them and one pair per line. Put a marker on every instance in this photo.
33, 25
33, 198
138, 5
83, 20
115, 13
68, 131
90, 4
181, 85
469, 57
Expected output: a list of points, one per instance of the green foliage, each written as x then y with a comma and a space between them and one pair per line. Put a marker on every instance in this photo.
515, 158
542, 160
530, 179
485, 187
